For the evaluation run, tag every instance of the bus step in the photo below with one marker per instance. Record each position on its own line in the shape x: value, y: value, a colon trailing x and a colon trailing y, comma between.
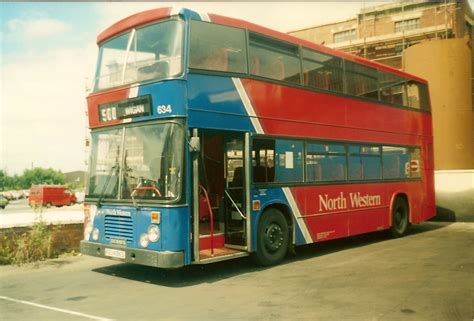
x: 205, y: 241
x: 220, y: 254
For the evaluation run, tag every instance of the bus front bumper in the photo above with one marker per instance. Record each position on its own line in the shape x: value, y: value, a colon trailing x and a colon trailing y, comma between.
x: 164, y: 259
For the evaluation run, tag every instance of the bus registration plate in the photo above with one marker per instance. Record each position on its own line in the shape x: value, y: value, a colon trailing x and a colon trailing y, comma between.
x: 115, y: 253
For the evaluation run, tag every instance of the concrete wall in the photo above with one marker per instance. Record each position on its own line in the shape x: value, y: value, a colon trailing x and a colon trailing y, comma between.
x: 447, y: 65
x: 455, y: 195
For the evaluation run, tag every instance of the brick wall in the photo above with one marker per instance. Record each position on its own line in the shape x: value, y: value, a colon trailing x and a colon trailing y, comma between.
x: 66, y: 238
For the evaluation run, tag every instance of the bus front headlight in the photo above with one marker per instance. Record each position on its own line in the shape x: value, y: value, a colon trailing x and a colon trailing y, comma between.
x: 144, y: 240
x: 95, y: 234
x: 153, y: 233
x: 87, y: 230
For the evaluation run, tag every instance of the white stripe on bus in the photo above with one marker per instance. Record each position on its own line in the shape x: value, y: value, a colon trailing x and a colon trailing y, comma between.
x: 248, y: 105
x: 297, y: 215
x: 204, y: 16
x: 133, y: 91
x: 175, y: 10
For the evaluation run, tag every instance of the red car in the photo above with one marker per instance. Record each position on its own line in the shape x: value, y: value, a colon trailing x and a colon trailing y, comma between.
x: 50, y: 195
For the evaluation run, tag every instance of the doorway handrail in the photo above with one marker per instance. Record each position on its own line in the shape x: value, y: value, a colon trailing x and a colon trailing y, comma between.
x: 211, y: 217
x: 235, y: 205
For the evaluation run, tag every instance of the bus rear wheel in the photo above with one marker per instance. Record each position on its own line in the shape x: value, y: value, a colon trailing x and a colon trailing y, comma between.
x: 272, y: 238
x: 399, y: 218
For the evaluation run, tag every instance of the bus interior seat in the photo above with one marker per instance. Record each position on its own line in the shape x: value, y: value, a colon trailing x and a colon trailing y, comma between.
x: 237, y: 180
x: 313, y: 172
x: 255, y: 66
x: 332, y: 169
x: 218, y: 59
x: 391, y: 166
x: 259, y: 174
x: 262, y: 174
x: 371, y: 167
x: 278, y: 70
x: 154, y: 70
x: 213, y: 59
x: 323, y: 80
x: 309, y: 78
x: 356, y: 171
x: 306, y: 78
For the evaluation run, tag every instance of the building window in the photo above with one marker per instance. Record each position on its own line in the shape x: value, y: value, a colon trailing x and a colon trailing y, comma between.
x: 409, y: 24
x: 345, y: 35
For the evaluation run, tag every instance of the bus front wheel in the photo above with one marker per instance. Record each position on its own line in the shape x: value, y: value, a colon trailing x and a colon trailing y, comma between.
x: 272, y: 238
x: 399, y: 218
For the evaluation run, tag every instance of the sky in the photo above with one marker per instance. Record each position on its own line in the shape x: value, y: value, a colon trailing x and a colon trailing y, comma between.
x: 48, y: 57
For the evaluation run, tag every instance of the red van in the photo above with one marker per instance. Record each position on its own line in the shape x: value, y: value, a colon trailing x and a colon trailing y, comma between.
x: 50, y: 195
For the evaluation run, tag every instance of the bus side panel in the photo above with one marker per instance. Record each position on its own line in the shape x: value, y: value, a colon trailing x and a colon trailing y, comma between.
x: 170, y: 94
x: 321, y: 115
x: 328, y: 212
x: 214, y: 103
x: 275, y: 196
x: 342, y: 210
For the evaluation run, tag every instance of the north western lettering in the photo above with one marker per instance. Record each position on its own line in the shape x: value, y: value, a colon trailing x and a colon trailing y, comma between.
x: 358, y: 200
x: 327, y: 203
x: 337, y: 203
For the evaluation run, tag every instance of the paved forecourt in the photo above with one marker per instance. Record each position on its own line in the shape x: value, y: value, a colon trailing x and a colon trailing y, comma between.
x: 427, y: 275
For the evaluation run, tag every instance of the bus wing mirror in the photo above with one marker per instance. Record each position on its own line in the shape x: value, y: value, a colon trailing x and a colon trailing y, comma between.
x: 195, y: 144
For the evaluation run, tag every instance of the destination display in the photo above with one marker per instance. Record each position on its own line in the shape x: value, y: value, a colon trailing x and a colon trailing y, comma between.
x: 134, y: 107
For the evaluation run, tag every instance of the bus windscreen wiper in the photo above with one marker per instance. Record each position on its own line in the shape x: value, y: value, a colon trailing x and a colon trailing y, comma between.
x: 128, y: 170
x: 115, y: 168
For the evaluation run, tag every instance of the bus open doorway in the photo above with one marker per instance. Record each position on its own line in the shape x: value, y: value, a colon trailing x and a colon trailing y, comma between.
x: 222, y: 218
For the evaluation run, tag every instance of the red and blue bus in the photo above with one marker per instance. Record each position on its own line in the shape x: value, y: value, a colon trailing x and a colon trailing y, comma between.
x: 214, y: 138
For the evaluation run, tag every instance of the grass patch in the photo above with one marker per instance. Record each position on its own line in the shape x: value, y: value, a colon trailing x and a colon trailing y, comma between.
x: 34, y: 244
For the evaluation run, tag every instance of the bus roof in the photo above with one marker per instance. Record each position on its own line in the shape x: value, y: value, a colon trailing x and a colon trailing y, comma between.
x: 149, y: 16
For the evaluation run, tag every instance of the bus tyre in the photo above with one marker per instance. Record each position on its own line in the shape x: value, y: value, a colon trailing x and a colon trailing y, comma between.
x: 399, y: 218
x: 272, y: 238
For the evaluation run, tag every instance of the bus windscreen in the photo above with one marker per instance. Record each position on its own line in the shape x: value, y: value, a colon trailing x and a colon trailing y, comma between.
x: 151, y: 52
x: 137, y: 163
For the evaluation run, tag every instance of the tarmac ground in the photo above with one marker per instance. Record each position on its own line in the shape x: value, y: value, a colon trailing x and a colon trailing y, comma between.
x: 427, y: 275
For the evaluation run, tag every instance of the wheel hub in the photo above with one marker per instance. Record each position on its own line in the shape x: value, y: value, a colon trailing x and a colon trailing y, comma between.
x: 273, y: 237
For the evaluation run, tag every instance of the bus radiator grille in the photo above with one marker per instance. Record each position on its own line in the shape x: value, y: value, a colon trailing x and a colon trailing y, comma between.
x: 118, y: 227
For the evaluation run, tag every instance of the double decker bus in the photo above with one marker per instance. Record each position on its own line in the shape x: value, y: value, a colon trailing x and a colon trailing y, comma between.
x: 213, y: 138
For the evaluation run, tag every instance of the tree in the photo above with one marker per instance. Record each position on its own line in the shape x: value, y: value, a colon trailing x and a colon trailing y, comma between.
x: 40, y: 175
x: 3, y: 178
x: 7, y: 182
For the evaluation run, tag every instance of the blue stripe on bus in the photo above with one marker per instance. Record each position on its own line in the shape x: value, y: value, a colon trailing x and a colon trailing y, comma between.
x: 268, y: 197
x: 164, y: 94
x: 214, y: 103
